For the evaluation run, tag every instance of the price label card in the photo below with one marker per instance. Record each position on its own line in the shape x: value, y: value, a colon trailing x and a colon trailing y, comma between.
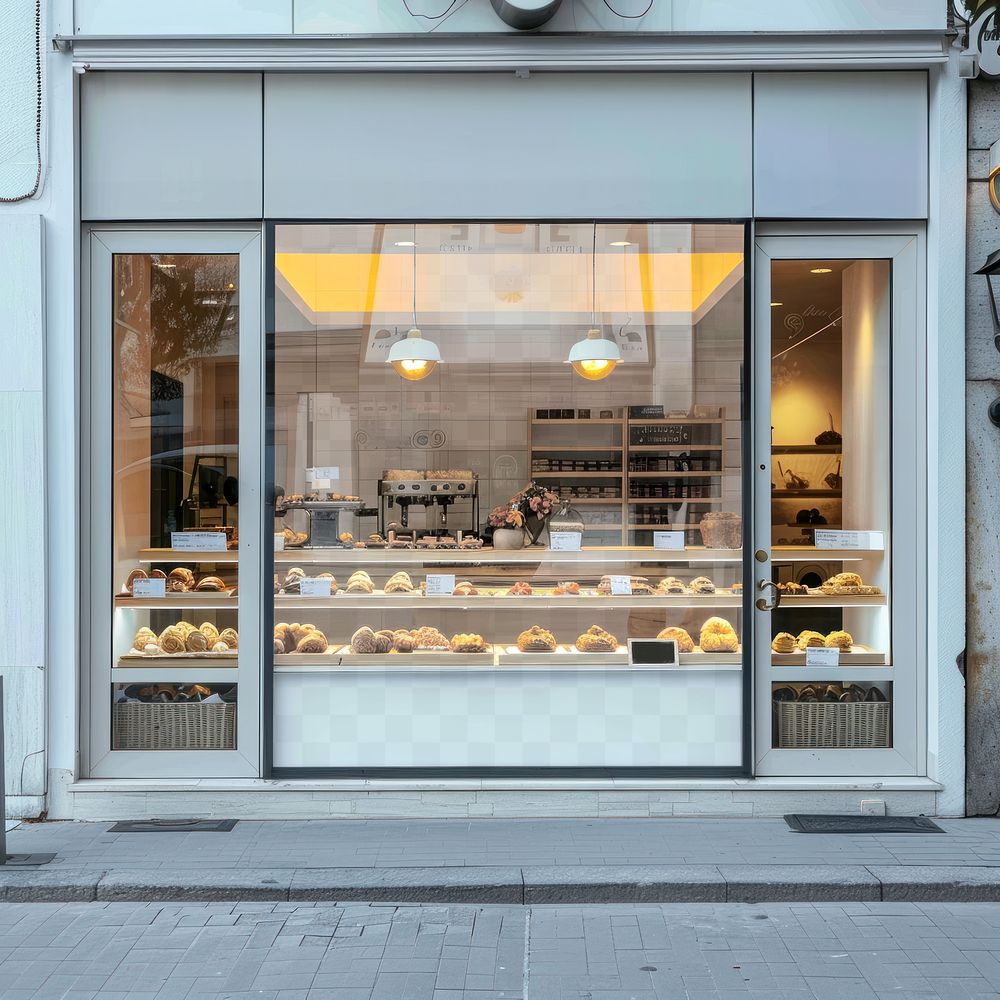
x: 198, y: 541
x: 822, y: 656
x: 565, y: 541
x: 829, y: 539
x: 440, y: 584
x: 279, y: 542
x: 149, y: 588
x: 323, y: 474
x: 621, y: 585
x: 315, y: 586
x: 673, y: 540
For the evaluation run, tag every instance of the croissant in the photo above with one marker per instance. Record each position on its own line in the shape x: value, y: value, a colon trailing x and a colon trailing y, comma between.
x: 464, y: 589
x: 209, y: 631
x: 143, y: 638
x: 184, y: 628
x: 230, y: 637
x: 198, y: 691
x: 171, y: 640
x: 180, y: 579
x: 195, y: 641
x: 284, y: 634
x: 136, y: 574
x: 314, y: 642
x: 210, y: 583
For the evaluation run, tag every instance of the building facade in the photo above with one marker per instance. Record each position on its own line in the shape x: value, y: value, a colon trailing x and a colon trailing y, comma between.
x: 570, y: 406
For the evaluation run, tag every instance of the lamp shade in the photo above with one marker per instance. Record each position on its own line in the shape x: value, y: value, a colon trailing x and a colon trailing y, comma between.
x: 594, y: 358
x: 414, y: 358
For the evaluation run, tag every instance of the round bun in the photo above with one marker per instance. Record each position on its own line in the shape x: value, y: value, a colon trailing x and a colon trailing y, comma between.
x: 685, y: 644
x: 230, y: 637
x: 718, y: 636
x: 314, y: 642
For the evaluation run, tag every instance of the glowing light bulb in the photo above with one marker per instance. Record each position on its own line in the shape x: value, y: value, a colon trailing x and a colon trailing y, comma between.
x: 593, y: 370
x: 412, y: 369
x: 414, y: 358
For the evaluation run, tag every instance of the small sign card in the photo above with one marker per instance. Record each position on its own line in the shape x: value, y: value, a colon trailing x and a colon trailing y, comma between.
x: 673, y: 540
x: 822, y: 656
x: 829, y: 539
x: 279, y: 542
x: 440, y: 584
x: 565, y: 541
x: 323, y: 474
x: 149, y: 588
x: 621, y: 585
x: 198, y: 541
x: 311, y: 586
x: 652, y: 652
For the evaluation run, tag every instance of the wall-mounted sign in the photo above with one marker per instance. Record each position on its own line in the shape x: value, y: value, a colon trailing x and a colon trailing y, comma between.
x: 982, y: 18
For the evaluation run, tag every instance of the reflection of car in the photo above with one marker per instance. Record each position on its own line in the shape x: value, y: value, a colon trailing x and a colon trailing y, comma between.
x: 182, y: 483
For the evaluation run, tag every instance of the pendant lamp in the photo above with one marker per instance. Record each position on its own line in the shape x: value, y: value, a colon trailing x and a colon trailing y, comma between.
x: 594, y: 358
x: 413, y: 357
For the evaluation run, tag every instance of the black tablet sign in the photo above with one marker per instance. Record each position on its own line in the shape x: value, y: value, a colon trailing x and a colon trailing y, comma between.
x: 653, y: 652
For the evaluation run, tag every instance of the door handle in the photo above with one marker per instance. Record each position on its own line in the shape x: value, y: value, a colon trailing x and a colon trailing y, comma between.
x: 762, y: 603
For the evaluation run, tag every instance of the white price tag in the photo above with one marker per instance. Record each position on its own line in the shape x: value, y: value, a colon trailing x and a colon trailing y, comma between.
x: 279, y: 542
x: 673, y: 540
x: 440, y: 584
x: 311, y: 586
x: 323, y: 473
x: 830, y: 539
x: 565, y: 541
x: 198, y: 541
x: 149, y: 588
x: 822, y: 656
x: 621, y: 585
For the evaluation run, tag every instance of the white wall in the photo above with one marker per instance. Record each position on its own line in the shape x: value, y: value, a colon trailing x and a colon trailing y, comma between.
x: 261, y: 17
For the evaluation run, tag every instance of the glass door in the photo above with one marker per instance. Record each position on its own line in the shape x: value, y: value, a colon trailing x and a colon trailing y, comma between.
x: 839, y: 605
x: 175, y: 362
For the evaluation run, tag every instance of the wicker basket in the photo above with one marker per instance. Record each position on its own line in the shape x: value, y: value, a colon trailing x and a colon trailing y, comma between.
x: 833, y: 724
x: 171, y: 726
x: 721, y: 530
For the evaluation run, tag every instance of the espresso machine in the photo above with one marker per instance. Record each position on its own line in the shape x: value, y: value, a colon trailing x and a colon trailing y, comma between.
x: 398, y: 489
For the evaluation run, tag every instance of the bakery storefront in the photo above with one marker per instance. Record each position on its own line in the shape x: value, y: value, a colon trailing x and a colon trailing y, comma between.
x: 511, y: 451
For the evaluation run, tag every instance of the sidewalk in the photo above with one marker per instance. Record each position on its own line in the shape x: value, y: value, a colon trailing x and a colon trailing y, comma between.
x: 507, y: 861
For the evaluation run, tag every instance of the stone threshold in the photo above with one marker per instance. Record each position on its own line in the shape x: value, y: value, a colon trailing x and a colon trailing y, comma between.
x: 513, y: 885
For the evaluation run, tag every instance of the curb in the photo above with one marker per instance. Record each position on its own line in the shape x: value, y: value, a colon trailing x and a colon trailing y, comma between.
x: 510, y: 885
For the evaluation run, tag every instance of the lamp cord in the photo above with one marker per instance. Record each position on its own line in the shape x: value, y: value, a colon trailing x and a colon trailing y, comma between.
x: 593, y: 280
x: 630, y: 17
x: 437, y: 17
x: 414, y: 275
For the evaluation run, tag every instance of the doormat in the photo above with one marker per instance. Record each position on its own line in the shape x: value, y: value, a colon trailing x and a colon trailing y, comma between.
x: 804, y: 823
x: 174, y: 826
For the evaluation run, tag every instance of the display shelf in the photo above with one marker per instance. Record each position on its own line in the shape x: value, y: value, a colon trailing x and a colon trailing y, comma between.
x: 858, y: 674
x: 676, y: 501
x: 214, y: 599
x: 583, y: 422
x: 675, y: 475
x: 831, y: 601
x: 179, y: 659
x: 809, y: 553
x: 671, y: 421
x: 592, y: 501
x: 687, y: 526
x: 674, y: 447
x: 609, y: 555
x: 807, y: 449
x: 481, y: 602
x: 806, y: 495
x: 230, y: 557
x: 859, y: 656
x: 575, y: 447
x: 193, y: 674
x: 569, y: 474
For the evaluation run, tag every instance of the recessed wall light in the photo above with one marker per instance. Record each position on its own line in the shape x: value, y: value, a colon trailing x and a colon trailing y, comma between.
x: 404, y: 243
x: 774, y: 305
x: 820, y: 270
x: 620, y: 243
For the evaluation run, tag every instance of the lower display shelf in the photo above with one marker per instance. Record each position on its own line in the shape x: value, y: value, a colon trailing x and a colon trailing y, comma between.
x: 859, y: 656
x: 193, y: 673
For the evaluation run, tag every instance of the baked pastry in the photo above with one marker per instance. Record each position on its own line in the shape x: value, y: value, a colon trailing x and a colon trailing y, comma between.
x: 283, y: 633
x: 402, y: 641
x: 314, y: 642
x: 567, y: 587
x: 143, y: 638
x: 210, y: 583
x: 671, y: 585
x: 279, y: 646
x: 642, y: 587
x: 180, y: 580
x: 428, y: 637
x: 469, y: 542
x: 136, y: 574
x: 596, y: 640
x: 840, y: 639
x: 520, y: 589
x: 230, y: 637
x: 685, y: 644
x: 346, y: 537
x: 845, y: 580
x: 365, y: 640
x: 171, y: 640
x: 702, y: 585
x: 464, y: 589
x: 209, y: 631
x: 784, y: 642
x: 195, y: 641
x: 468, y: 643
x: 536, y: 640
x: 718, y: 636
x: 399, y: 583
x: 807, y: 637
x: 327, y: 576
x: 849, y: 583
x: 792, y: 588
x: 360, y: 583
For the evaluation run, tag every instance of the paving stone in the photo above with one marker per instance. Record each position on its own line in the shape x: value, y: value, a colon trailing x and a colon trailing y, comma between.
x: 795, y: 883
x: 624, y: 884
x: 409, y: 885
x: 207, y: 884
x: 951, y: 883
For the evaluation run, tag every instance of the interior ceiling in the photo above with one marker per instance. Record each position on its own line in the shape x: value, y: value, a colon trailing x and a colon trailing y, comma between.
x: 800, y: 291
